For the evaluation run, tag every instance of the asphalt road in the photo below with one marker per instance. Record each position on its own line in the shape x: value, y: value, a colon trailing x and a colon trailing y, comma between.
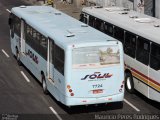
x: 22, y: 99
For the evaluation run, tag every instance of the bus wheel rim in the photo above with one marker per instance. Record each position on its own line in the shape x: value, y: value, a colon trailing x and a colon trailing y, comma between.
x: 129, y: 83
x: 17, y: 56
x: 44, y: 85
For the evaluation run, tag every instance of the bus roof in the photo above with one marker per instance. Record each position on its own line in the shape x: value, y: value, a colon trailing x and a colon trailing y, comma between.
x: 57, y: 25
x: 144, y: 25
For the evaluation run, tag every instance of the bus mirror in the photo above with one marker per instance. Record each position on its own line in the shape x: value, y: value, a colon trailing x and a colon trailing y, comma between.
x: 9, y: 21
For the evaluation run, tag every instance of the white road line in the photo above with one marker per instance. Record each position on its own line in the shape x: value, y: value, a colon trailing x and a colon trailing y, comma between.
x: 25, y: 76
x: 134, y: 107
x: 8, y: 10
x: 56, y: 114
x: 5, y: 53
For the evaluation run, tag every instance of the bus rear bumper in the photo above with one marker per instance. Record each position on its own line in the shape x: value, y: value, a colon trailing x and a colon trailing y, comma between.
x: 72, y: 101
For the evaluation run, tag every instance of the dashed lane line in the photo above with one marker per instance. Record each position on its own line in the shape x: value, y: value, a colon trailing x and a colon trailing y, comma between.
x: 5, y: 53
x: 26, y: 78
x: 8, y: 10
x: 130, y: 104
x: 55, y: 113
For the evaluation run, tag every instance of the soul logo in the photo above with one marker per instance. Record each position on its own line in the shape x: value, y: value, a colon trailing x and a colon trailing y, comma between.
x: 32, y: 56
x: 97, y: 75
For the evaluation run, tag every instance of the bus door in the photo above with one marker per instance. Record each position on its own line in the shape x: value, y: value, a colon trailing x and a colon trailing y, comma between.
x: 22, y: 39
x: 50, y: 61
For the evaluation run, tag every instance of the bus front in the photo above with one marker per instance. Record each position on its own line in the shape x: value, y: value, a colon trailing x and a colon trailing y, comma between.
x: 96, y: 73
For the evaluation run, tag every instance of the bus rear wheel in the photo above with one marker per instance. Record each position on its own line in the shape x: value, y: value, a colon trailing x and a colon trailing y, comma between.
x: 18, y: 57
x: 44, y: 85
x: 129, y: 84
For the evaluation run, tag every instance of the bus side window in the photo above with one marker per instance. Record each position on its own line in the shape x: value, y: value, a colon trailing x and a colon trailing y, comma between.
x: 28, y: 35
x: 33, y: 40
x: 43, y: 47
x: 155, y: 56
x: 99, y: 25
x: 10, y: 21
x: 102, y: 26
x: 11, y: 24
x: 83, y: 18
x: 59, y: 59
x: 108, y: 29
x: 119, y: 34
x: 17, y: 25
x: 91, y: 21
x: 37, y: 41
x: 130, y: 44
x: 143, y: 49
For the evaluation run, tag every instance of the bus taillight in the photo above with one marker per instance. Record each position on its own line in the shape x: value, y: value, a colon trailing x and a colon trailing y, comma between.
x: 70, y: 90
x: 123, y: 82
x: 121, y: 87
x: 120, y: 90
x: 72, y: 94
x: 68, y: 86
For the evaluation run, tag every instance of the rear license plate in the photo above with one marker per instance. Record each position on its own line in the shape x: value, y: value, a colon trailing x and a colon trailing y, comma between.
x: 97, y: 91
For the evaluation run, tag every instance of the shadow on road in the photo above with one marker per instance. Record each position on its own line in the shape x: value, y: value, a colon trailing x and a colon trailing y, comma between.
x: 92, y: 108
x: 148, y: 101
x: 89, y: 108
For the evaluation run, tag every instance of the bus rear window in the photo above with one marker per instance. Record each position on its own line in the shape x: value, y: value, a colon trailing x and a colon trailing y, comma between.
x: 95, y: 57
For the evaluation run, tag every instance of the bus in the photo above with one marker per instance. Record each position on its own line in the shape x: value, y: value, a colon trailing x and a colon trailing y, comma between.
x: 75, y: 63
x: 140, y: 35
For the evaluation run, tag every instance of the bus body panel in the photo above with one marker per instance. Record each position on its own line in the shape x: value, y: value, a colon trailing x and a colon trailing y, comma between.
x: 14, y: 43
x: 35, y: 62
x: 53, y: 89
x: 65, y: 82
x: 154, y: 82
x: 94, y: 85
x: 154, y: 94
x: 72, y: 101
x: 89, y: 83
x: 137, y: 69
x: 145, y: 73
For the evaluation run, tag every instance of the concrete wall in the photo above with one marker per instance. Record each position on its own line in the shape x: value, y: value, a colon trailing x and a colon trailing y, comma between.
x: 78, y: 3
x: 124, y: 3
x: 158, y: 9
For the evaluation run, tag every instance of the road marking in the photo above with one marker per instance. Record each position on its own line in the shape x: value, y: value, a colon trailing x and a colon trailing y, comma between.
x: 5, y: 53
x: 134, y: 107
x: 56, y: 114
x: 25, y: 76
x: 8, y: 10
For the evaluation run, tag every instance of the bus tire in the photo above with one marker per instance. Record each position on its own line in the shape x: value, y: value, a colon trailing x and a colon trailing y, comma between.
x: 129, y: 84
x: 44, y: 85
x: 18, y: 57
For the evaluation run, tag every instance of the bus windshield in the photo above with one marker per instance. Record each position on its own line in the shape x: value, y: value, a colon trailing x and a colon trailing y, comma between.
x: 95, y: 57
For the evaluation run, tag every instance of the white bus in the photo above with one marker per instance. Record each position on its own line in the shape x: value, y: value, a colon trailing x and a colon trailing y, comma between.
x: 140, y: 35
x: 77, y: 64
